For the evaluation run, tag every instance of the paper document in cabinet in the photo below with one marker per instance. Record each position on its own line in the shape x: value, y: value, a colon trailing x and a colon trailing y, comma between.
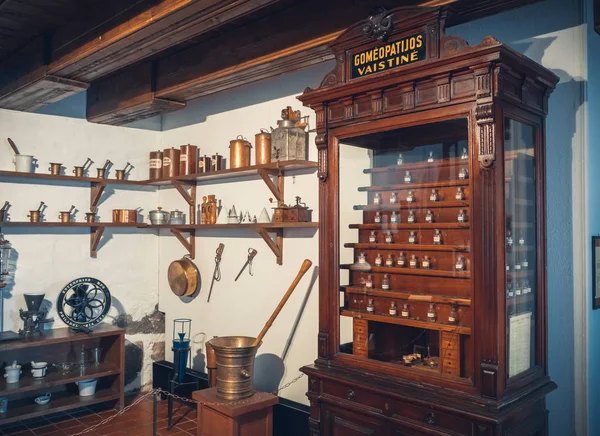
x: 519, y: 344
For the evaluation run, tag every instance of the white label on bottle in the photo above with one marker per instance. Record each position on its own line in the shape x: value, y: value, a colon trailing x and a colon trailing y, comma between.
x: 425, y: 264
x: 393, y: 199
x: 459, y: 266
x: 430, y: 315
x: 389, y: 262
x: 401, y: 263
x: 428, y: 218
x: 394, y: 219
x: 409, y: 199
x: 155, y: 163
x: 407, y: 179
x: 451, y: 319
x: 517, y: 267
x: 413, y: 263
x: 393, y: 312
x: 370, y: 309
x: 437, y: 239
x: 411, y: 239
x: 525, y: 264
x: 369, y: 284
x: 376, y: 200
x: 527, y: 290
x: 459, y: 196
x: 433, y: 197
x: 378, y: 261
x: 411, y: 218
x: 461, y: 219
x: 362, y: 260
x: 405, y: 314
x: 372, y: 238
x: 518, y: 292
x: 377, y: 219
x: 385, y: 286
x: 166, y: 161
x: 511, y: 294
x: 388, y: 239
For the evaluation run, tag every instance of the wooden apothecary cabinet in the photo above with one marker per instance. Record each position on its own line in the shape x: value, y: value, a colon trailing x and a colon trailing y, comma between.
x: 432, y: 234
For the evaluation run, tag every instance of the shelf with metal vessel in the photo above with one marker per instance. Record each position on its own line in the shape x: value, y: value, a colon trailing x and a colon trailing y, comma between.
x: 389, y: 319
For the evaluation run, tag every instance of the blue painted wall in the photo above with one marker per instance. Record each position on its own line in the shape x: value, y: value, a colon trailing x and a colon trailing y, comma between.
x: 558, y: 22
x: 593, y: 216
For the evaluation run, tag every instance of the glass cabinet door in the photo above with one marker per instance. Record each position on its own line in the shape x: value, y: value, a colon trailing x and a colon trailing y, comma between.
x: 405, y: 238
x: 521, y: 244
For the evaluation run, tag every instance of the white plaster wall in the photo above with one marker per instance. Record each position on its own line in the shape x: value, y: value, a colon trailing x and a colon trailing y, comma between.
x: 49, y: 258
x: 243, y: 307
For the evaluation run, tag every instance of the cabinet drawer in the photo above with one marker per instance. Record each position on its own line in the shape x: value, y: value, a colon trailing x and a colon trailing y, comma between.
x: 451, y: 354
x: 432, y: 419
x: 352, y: 395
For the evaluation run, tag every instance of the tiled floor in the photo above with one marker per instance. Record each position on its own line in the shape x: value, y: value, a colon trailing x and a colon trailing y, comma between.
x: 135, y: 422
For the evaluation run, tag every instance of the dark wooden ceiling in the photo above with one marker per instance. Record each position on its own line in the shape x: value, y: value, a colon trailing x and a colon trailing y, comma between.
x: 143, y: 57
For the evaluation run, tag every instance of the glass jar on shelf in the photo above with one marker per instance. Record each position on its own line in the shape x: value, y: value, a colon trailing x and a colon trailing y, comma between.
x: 400, y: 159
x: 373, y: 237
x: 429, y: 217
x: 462, y: 217
x: 453, y: 316
x: 377, y: 199
x: 509, y: 239
x: 431, y: 313
x: 465, y: 154
x: 393, y: 198
x: 385, y: 282
x: 388, y: 237
x: 521, y: 240
x: 401, y: 260
x: 460, y: 264
x: 463, y: 174
x: 430, y: 158
x: 393, y: 311
x: 411, y: 217
x: 378, y: 260
x: 369, y: 281
x: 460, y: 195
x: 389, y: 261
x: 405, y: 311
x: 412, y: 237
x: 407, y: 177
x: 362, y: 259
x: 437, y: 237
x: 426, y: 263
x: 414, y: 261
x: 377, y: 218
x: 410, y: 197
x: 370, y: 306
x: 394, y: 218
x: 434, y: 195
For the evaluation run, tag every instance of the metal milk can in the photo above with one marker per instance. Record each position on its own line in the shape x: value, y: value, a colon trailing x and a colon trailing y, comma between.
x: 289, y: 140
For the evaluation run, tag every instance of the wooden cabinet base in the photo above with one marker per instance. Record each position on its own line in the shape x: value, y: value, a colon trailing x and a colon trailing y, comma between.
x: 250, y: 417
x: 347, y: 403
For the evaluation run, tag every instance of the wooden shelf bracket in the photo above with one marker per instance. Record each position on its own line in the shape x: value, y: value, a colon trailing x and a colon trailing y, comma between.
x: 190, y: 198
x: 189, y: 244
x: 95, y: 236
x: 277, y: 190
x: 276, y: 245
x: 96, y: 192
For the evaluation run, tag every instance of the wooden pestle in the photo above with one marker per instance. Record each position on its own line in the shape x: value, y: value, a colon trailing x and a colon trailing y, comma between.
x: 13, y: 146
x: 305, y: 267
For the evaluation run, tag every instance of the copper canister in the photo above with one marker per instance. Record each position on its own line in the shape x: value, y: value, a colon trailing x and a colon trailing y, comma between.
x: 188, y: 161
x: 239, y: 152
x: 171, y: 162
x: 217, y: 162
x: 125, y: 216
x: 204, y: 164
x: 156, y: 165
x: 262, y: 142
x: 211, y: 210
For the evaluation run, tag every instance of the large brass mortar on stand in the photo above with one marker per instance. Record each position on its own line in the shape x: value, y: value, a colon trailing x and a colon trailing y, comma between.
x: 235, y: 354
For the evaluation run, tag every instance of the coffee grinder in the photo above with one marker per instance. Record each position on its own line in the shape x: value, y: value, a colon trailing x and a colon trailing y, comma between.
x: 34, y: 317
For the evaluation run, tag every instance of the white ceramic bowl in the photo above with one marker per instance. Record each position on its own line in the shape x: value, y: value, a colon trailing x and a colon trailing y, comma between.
x: 87, y: 387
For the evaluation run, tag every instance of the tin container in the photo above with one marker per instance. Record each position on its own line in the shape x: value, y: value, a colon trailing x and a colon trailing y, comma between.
x: 156, y: 165
x: 125, y: 216
x: 171, y: 162
x: 188, y: 160
x: 262, y: 142
x: 158, y: 216
x: 217, y: 163
x: 55, y: 168
x: 235, y: 357
x: 239, y: 152
x: 176, y: 217
x: 204, y: 164
x: 290, y: 139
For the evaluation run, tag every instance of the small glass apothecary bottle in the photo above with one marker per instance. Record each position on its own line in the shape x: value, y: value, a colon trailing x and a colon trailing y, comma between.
x: 526, y: 287
x: 412, y: 238
x: 362, y: 259
x: 377, y: 218
x: 373, y: 237
x: 405, y: 311
x: 393, y: 198
x: 518, y: 289
x: 400, y: 159
x: 385, y: 282
x: 389, y: 261
x: 407, y: 177
x: 388, y: 237
x: 437, y: 237
x: 524, y: 263
x: 460, y: 195
x: 414, y: 261
x: 369, y: 281
x: 370, y: 306
x: 434, y: 195
x: 377, y: 199
x: 394, y: 218
x: 463, y: 174
x: 465, y: 154
x: 509, y: 239
x: 431, y: 313
x: 393, y: 309
x: 411, y: 217
x: 430, y: 158
x: 521, y: 240
x: 426, y: 263
x: 460, y: 264
x: 510, y: 291
x: 453, y: 316
x: 410, y: 197
x: 429, y: 217
x: 401, y: 260
x: 462, y: 216
x: 378, y: 260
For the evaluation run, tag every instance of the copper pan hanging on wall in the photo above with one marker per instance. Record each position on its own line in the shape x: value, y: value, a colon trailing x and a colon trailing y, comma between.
x: 184, y: 277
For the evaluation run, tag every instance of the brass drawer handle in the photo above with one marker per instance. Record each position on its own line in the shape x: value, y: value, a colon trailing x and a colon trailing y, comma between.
x: 351, y: 395
x: 430, y: 418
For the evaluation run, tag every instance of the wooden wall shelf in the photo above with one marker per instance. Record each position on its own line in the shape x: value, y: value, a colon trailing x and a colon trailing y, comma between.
x: 54, y: 347
x: 415, y: 205
x: 410, y: 271
x: 272, y: 174
x: 429, y: 298
x: 409, y: 226
x: 398, y: 186
x: 408, y: 247
x: 417, y: 165
x: 440, y: 326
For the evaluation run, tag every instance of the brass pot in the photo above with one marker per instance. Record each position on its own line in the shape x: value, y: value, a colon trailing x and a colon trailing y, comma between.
x: 125, y: 216
x: 78, y: 171
x: 101, y: 173
x: 55, y: 168
x: 120, y: 174
x: 262, y: 142
x: 90, y: 217
x: 235, y: 366
x: 65, y: 217
x: 184, y: 277
x: 239, y: 152
x: 34, y: 216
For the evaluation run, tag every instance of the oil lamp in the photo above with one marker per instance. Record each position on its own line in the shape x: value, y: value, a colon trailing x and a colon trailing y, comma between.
x: 181, y: 347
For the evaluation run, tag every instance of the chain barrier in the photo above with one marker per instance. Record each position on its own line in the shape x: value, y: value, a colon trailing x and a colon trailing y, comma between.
x: 160, y: 391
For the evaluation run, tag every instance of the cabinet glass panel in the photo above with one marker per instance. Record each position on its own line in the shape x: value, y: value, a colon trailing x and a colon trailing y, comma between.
x: 405, y: 261
x: 521, y: 226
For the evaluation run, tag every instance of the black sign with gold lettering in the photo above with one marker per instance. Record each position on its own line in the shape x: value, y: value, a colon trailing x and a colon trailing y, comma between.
x: 388, y: 56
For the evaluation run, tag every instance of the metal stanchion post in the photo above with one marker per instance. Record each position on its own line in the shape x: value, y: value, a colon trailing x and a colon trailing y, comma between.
x: 154, y: 418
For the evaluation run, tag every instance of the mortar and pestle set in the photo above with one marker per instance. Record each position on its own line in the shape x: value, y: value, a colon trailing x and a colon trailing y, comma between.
x: 3, y: 211
x: 235, y: 354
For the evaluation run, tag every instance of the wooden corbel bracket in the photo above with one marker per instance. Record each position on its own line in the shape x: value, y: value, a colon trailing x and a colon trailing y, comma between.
x: 97, y: 189
x: 190, y: 198
x: 277, y: 190
x: 95, y: 236
x: 276, y: 245
x: 189, y: 244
